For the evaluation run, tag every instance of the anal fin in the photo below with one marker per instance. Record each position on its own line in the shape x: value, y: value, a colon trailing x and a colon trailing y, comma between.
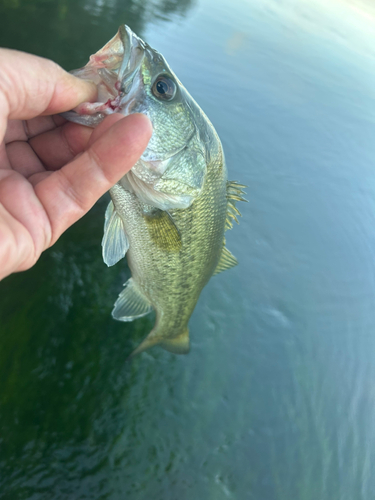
x: 226, y: 261
x: 131, y: 303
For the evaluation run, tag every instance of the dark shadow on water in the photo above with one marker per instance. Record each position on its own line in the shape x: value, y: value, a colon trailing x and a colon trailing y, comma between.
x: 62, y: 364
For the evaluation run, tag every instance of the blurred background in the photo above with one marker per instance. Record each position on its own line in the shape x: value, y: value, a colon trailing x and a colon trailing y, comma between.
x: 276, y: 400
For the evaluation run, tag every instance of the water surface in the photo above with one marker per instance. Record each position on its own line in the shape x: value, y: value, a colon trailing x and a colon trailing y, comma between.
x: 276, y: 400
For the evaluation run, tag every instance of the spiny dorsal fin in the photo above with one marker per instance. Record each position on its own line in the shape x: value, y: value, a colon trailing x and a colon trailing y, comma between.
x: 131, y: 303
x: 226, y: 261
x: 234, y: 194
x: 114, y: 243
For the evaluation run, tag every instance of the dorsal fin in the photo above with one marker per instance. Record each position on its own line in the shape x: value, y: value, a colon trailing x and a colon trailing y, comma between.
x: 234, y: 194
x: 226, y: 261
x: 115, y: 243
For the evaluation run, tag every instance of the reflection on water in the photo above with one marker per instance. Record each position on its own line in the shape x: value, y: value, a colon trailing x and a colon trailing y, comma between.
x: 276, y: 399
x: 68, y: 31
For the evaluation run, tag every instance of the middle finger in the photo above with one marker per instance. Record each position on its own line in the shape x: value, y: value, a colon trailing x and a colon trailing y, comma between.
x: 57, y: 147
x: 22, y: 130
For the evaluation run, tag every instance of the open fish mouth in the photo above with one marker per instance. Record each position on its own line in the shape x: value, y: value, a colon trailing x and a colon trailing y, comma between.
x: 115, y: 71
x: 134, y: 49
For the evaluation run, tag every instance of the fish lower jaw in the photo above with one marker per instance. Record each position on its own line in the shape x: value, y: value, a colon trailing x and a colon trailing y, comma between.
x: 92, y: 108
x: 115, y: 105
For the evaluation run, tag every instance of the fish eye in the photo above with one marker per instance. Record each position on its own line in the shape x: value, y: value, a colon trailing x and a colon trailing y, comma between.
x: 164, y: 88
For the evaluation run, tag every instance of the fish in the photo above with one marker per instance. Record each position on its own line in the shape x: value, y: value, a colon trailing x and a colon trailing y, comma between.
x: 169, y: 213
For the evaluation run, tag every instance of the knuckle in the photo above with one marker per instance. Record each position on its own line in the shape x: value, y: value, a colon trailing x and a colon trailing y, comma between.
x: 97, y: 162
x: 78, y: 200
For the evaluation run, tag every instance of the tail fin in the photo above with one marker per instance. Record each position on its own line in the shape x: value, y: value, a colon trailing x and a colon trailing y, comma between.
x: 179, y: 344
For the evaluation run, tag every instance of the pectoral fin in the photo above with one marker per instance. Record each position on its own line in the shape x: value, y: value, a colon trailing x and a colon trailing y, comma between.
x: 115, y: 243
x: 226, y: 261
x: 163, y: 231
x: 131, y: 303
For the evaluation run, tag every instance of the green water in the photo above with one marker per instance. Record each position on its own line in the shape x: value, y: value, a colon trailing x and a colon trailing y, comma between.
x: 276, y: 400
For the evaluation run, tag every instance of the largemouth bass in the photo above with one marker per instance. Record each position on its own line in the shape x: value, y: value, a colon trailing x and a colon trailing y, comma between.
x: 170, y: 212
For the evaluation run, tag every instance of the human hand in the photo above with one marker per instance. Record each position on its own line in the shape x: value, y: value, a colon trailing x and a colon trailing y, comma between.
x: 51, y: 171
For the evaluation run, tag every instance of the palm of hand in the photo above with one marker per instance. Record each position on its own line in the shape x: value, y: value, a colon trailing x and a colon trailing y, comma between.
x: 52, y: 172
x: 36, y: 197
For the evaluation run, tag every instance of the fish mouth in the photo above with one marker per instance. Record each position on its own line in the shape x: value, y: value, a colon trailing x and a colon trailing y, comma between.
x: 115, y: 71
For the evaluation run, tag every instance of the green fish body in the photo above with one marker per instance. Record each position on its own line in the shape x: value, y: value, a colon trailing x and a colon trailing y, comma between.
x: 170, y: 212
